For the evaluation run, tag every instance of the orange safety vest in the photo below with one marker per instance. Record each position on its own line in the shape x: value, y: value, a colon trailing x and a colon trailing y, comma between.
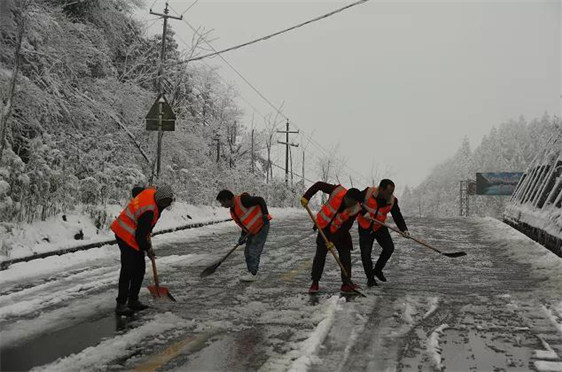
x: 329, y: 212
x: 125, y: 226
x: 375, y: 212
x: 249, y: 219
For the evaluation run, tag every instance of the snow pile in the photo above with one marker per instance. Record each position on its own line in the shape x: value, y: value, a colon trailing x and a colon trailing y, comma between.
x: 55, y: 264
x: 536, y: 200
x: 525, y: 250
x: 310, y: 346
x: 72, y: 230
x: 543, y: 365
x: 548, y: 219
x: 433, y: 347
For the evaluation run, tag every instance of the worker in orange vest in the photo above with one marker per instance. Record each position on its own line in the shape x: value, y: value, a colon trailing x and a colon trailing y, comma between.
x: 378, y: 202
x: 335, y: 218
x: 133, y: 229
x: 251, y: 214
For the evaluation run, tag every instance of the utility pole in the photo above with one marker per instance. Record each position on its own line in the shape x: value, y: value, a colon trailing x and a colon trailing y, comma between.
x: 303, y: 168
x: 218, y: 140
x: 464, y: 198
x: 291, y: 161
x: 160, y: 72
x: 287, y: 144
x: 252, y: 151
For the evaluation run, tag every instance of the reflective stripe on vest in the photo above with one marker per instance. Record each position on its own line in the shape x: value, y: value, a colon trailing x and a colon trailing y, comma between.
x: 371, y: 206
x: 125, y: 226
x: 249, y: 219
x: 328, y: 212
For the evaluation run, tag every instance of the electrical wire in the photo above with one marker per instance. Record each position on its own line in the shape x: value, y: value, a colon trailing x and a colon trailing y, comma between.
x: 152, y: 6
x: 189, y: 7
x: 257, y: 91
x: 279, y: 32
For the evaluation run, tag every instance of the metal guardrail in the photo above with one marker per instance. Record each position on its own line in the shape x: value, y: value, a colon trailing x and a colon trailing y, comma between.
x: 551, y: 242
x: 5, y: 264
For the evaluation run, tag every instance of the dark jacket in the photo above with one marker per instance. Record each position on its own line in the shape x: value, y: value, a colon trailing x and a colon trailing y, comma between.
x: 144, y: 229
x: 327, y: 188
x: 250, y: 201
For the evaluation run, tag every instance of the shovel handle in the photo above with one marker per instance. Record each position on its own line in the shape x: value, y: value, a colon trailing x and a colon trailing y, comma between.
x: 344, y: 271
x: 155, y: 273
x: 234, y: 248
x: 411, y: 237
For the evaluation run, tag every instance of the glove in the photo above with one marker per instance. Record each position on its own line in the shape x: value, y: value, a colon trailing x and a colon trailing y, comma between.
x: 304, y: 202
x: 330, y: 246
x: 242, y: 239
x: 265, y: 219
x: 150, y: 253
x: 406, y: 234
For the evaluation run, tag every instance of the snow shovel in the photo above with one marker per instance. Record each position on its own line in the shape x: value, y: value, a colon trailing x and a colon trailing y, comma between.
x: 452, y: 254
x: 211, y: 269
x: 156, y: 290
x: 344, y: 271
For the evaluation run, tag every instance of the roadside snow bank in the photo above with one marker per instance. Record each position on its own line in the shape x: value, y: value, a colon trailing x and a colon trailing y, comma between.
x: 66, y: 231
x: 523, y: 249
x: 69, y: 230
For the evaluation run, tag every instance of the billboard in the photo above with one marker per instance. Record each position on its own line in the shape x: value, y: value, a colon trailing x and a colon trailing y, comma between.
x: 503, y: 183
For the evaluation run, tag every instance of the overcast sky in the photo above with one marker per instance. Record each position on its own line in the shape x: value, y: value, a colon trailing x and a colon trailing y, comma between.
x: 398, y: 84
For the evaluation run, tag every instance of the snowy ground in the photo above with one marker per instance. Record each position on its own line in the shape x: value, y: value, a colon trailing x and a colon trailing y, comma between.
x: 500, y: 307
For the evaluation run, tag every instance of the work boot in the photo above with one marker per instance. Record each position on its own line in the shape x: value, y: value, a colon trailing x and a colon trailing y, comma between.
x: 378, y: 273
x: 249, y: 277
x: 122, y: 309
x: 348, y: 288
x: 313, y: 288
x: 136, y: 305
x: 371, y: 282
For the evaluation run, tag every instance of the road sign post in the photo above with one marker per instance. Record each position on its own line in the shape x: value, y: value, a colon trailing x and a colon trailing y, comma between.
x: 160, y: 118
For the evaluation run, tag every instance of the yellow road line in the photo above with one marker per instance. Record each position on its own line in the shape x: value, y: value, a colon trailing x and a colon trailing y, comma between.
x: 290, y: 275
x: 180, y: 347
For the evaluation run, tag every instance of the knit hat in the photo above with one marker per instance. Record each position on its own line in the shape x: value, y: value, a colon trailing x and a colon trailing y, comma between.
x: 163, y: 192
x: 354, y: 194
x: 137, y: 190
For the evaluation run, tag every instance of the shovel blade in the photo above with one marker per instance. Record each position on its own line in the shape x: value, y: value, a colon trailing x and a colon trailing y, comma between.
x: 455, y: 254
x: 210, y: 270
x: 160, y: 292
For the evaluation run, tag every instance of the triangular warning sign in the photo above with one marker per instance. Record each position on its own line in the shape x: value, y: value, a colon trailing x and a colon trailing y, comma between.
x: 161, y: 106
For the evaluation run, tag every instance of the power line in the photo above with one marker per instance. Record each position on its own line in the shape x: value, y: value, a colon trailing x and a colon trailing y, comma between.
x: 241, y: 96
x: 152, y: 6
x: 316, y: 144
x: 191, y: 6
x: 295, y: 174
x: 278, y: 32
x: 257, y: 91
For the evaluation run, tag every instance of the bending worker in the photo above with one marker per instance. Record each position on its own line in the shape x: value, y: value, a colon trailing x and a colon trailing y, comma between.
x: 378, y: 202
x: 335, y: 219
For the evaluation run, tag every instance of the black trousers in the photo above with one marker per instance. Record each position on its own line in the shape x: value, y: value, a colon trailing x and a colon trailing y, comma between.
x: 366, y: 239
x: 131, y: 274
x: 343, y: 244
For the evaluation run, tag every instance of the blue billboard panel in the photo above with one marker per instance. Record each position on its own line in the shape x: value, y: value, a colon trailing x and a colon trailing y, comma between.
x: 497, y: 183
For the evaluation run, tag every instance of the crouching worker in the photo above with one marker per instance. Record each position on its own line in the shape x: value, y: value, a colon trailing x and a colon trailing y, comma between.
x: 250, y: 213
x: 133, y: 229
x: 335, y: 219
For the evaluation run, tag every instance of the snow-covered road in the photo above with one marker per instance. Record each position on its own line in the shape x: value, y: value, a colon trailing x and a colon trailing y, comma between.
x: 500, y: 307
